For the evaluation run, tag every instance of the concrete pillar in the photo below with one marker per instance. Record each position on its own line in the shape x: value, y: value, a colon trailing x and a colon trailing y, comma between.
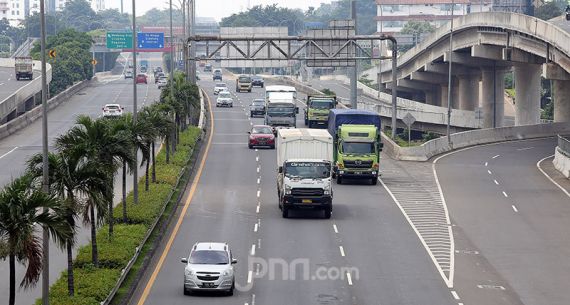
x: 443, y: 95
x: 430, y: 97
x: 527, y: 94
x: 455, y: 95
x: 492, y: 99
x: 468, y: 92
x: 561, y: 94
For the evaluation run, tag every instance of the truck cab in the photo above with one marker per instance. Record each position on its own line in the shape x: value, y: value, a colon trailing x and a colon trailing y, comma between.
x: 304, y: 175
x: 243, y: 83
x: 317, y: 110
x: 280, y: 106
x: 357, y: 144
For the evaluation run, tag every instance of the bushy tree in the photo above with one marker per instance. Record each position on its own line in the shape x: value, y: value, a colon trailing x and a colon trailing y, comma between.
x: 270, y: 15
x: 550, y: 9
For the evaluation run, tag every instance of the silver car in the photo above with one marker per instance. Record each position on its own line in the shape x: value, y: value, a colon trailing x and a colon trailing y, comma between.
x: 209, y: 267
x: 224, y: 99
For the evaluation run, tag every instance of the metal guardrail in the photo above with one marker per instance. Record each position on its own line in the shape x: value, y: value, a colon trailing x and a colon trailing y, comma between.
x: 564, y: 144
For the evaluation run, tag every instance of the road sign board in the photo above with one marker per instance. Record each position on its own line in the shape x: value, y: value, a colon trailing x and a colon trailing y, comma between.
x: 119, y: 40
x: 408, y: 119
x: 150, y: 40
x: 52, y: 53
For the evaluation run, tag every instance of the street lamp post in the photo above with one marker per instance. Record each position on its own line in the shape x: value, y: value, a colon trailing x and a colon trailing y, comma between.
x: 45, y: 168
x: 449, y: 98
x: 135, y: 108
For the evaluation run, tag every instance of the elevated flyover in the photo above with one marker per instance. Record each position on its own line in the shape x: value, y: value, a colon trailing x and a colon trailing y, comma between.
x: 485, y: 46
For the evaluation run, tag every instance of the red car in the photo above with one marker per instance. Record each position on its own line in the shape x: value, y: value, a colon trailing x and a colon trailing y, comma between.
x: 141, y: 79
x: 261, y: 135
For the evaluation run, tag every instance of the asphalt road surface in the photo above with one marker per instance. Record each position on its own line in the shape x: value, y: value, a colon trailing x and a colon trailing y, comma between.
x: 235, y: 201
x: 8, y: 82
x: 16, y: 149
x: 510, y: 222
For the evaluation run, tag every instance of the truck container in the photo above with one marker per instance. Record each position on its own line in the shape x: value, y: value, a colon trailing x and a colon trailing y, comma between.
x: 304, y: 170
x: 317, y: 110
x: 24, y: 68
x: 357, y: 145
x: 280, y: 106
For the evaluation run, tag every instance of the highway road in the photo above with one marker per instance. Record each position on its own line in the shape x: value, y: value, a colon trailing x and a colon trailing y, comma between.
x: 233, y: 199
x: 17, y: 148
x: 8, y: 82
x: 510, y: 222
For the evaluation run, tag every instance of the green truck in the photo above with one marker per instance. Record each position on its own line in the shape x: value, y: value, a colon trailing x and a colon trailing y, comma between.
x: 357, y: 145
x: 317, y: 110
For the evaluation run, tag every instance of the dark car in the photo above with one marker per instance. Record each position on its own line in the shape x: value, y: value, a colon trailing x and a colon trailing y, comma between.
x: 257, y: 107
x: 257, y: 81
x: 261, y: 135
x: 217, y: 75
x: 158, y: 76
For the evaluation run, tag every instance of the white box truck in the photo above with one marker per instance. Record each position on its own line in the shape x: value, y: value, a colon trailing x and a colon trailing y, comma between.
x: 304, y: 162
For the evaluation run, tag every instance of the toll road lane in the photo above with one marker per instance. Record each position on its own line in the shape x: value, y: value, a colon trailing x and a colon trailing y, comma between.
x: 522, y: 251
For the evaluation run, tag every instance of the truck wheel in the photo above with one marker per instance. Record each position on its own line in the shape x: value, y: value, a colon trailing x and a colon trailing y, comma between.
x: 328, y: 212
x: 285, y: 212
x: 338, y: 179
x: 374, y: 181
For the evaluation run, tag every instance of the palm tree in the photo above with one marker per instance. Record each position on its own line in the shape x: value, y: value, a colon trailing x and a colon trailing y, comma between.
x: 160, y: 125
x: 23, y: 209
x: 103, y: 143
x: 72, y: 179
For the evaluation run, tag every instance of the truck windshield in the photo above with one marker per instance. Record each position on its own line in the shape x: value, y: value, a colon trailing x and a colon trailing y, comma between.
x: 244, y: 79
x: 324, y: 104
x: 307, y: 170
x: 357, y: 148
x: 277, y: 111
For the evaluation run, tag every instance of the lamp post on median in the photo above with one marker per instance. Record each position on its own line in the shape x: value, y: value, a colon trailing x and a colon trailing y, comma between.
x: 45, y: 168
x: 135, y: 108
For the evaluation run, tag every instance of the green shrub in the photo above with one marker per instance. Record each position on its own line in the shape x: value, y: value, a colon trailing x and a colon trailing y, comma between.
x: 149, y: 205
x: 167, y: 173
x: 92, y: 285
x: 116, y: 253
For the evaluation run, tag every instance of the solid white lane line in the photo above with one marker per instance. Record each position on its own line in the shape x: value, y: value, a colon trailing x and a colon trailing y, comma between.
x: 335, y: 228
x: 341, y: 251
x: 515, y: 208
x: 253, y: 250
x: 486, y: 163
x: 349, y: 278
x: 488, y: 171
x: 249, y: 276
x: 454, y: 294
x: 496, y: 156
x: 12, y: 150
x: 255, y: 228
x: 497, y: 183
x: 549, y: 178
x: 505, y: 194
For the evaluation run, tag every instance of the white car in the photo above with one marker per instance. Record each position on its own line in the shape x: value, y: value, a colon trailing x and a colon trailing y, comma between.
x: 225, y: 99
x: 209, y: 267
x: 220, y: 87
x: 128, y: 74
x: 161, y: 83
x: 113, y: 110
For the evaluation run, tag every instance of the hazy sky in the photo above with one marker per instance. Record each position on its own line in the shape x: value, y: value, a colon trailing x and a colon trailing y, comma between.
x: 213, y: 8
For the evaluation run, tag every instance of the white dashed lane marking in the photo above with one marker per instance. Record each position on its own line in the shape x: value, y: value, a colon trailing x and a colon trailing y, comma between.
x: 515, y: 208
x: 505, y: 194
x: 335, y: 228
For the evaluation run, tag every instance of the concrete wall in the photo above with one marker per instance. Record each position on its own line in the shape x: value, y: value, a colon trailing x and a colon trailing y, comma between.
x: 36, y: 113
x: 562, y: 162
x: 474, y: 137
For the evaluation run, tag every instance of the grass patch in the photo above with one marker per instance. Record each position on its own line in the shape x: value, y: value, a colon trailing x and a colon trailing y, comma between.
x: 510, y: 92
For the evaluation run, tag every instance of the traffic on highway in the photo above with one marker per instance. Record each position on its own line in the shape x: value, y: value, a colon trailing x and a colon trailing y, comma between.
x: 326, y: 152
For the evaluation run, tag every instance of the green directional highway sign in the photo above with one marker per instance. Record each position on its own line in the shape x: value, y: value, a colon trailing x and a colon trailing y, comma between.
x: 119, y: 40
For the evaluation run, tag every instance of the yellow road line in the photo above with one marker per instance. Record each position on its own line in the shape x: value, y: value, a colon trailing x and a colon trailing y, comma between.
x: 156, y: 270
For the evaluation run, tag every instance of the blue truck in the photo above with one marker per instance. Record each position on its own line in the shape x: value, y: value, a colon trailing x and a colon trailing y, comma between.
x: 357, y: 144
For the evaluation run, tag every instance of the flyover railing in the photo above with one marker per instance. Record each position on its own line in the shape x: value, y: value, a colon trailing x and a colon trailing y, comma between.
x: 564, y: 144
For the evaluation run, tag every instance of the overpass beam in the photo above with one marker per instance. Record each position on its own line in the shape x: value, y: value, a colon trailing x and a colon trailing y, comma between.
x: 492, y: 100
x: 561, y: 94
x: 468, y: 92
x: 527, y: 94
